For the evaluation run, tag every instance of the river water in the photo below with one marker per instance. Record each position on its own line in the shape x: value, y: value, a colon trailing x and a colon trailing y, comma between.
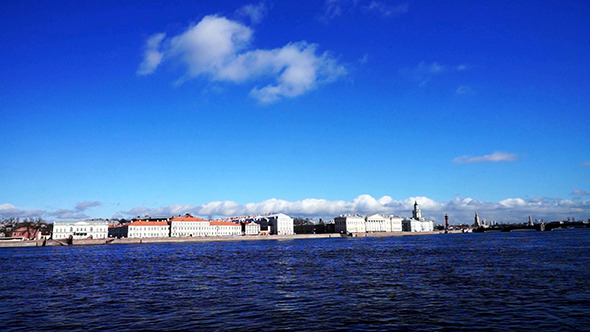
x: 491, y: 281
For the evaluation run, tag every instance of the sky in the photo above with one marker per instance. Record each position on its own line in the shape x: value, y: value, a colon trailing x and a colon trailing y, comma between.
x: 114, y: 109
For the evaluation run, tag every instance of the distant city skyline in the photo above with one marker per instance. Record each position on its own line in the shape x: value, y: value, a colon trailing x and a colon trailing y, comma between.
x: 311, y: 108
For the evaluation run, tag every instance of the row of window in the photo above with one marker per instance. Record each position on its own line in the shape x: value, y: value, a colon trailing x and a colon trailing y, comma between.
x: 151, y: 228
x: 77, y: 229
x: 148, y: 235
x: 83, y: 235
x: 181, y: 228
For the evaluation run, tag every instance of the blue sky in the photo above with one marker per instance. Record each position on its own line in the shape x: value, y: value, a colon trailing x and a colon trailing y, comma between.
x: 311, y: 108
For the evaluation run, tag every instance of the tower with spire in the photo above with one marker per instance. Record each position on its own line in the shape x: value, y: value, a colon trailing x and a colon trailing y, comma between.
x: 416, y: 214
x: 476, y: 218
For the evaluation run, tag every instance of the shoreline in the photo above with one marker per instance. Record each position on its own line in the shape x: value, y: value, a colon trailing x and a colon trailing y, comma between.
x: 113, y: 241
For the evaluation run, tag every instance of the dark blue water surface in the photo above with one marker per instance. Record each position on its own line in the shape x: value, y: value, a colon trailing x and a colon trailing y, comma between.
x: 491, y: 281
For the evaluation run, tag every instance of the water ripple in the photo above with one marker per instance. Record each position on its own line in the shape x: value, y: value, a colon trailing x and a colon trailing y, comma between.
x: 514, y: 281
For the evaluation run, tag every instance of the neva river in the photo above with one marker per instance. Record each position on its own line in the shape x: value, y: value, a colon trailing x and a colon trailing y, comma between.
x: 491, y: 281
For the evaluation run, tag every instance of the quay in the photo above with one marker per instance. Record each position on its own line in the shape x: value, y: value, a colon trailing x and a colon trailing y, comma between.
x: 139, y: 241
x: 542, y: 227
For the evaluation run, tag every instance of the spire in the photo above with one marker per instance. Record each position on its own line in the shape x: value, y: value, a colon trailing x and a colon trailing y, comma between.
x: 476, y: 219
x: 416, y: 214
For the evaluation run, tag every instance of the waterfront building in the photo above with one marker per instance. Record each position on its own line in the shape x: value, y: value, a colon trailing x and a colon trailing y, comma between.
x: 143, y: 229
x: 396, y: 223
x: 87, y: 229
x: 117, y: 231
x: 27, y: 233
x: 377, y: 223
x: 252, y: 228
x: 413, y: 225
x: 272, y: 223
x: 150, y: 218
x: 416, y: 213
x: 417, y: 223
x: 189, y: 226
x: 349, y: 223
x: 224, y: 228
x: 281, y: 224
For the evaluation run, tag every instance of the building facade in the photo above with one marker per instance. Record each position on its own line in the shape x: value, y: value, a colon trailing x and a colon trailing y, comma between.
x: 377, y: 223
x: 224, y: 228
x: 144, y: 229
x: 349, y: 223
x: 26, y: 233
x: 88, y: 229
x: 274, y: 224
x: 281, y: 224
x: 252, y: 228
x: 396, y: 223
x: 417, y: 223
x: 189, y: 226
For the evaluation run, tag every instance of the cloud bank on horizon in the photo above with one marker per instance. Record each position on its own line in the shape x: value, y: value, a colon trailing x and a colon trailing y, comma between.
x: 459, y: 209
x: 8, y: 210
x: 220, y: 50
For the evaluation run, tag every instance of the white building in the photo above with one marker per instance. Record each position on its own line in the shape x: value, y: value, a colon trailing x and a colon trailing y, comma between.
x: 88, y: 229
x: 224, y: 228
x: 413, y: 225
x: 349, y: 223
x: 189, y: 226
x: 252, y: 228
x: 377, y: 223
x: 143, y: 229
x: 395, y: 222
x: 372, y: 223
x: 417, y: 223
x: 275, y: 224
x: 281, y: 224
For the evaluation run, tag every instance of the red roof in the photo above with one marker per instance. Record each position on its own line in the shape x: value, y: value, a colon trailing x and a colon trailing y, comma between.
x: 223, y: 223
x: 187, y: 219
x: 148, y: 223
x: 28, y: 233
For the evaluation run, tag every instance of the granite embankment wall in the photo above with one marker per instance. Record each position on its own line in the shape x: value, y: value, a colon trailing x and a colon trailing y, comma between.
x: 86, y: 242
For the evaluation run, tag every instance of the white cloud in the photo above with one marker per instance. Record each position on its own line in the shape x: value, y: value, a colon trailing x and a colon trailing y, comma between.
x: 67, y: 214
x: 464, y: 90
x: 489, y: 158
x: 387, y: 10
x: 152, y: 56
x: 86, y: 204
x: 72, y: 214
x: 219, y: 49
x: 335, y: 8
x: 364, y: 59
x: 580, y: 193
x: 254, y: 12
x: 512, y: 202
x: 424, y: 72
x: 298, y: 70
x: 8, y: 210
x: 461, y: 210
